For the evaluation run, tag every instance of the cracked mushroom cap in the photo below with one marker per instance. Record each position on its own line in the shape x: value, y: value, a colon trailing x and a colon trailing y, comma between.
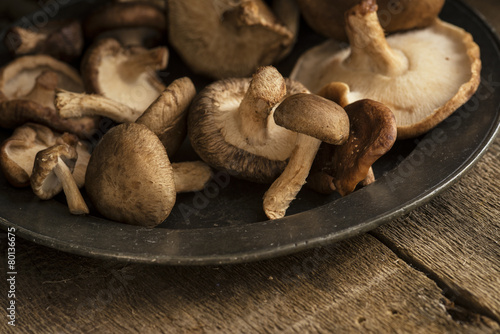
x: 327, y: 17
x: 230, y: 125
x: 129, y: 177
x: 38, y: 106
x: 134, y: 23
x: 125, y: 75
x: 223, y: 39
x: 60, y: 39
x: 372, y: 134
x: 422, y: 75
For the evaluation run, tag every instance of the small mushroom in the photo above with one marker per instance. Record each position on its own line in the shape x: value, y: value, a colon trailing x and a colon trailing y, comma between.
x: 17, y: 153
x: 166, y: 116
x: 134, y: 23
x: 316, y: 119
x: 60, y: 39
x: 422, y: 75
x: 372, y: 134
x: 223, y: 39
x: 125, y: 75
x: 327, y: 17
x: 52, y: 171
x: 231, y: 125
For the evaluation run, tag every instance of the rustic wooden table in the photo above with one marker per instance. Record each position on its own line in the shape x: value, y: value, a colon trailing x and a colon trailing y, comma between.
x: 435, y: 270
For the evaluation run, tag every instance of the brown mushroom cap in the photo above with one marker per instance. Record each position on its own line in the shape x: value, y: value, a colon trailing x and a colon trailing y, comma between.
x: 60, y: 39
x: 223, y: 39
x: 131, y: 23
x: 38, y: 106
x: 17, y: 153
x: 422, y: 76
x: 129, y: 177
x: 216, y: 127
x: 327, y: 17
x: 372, y: 134
x: 124, y: 75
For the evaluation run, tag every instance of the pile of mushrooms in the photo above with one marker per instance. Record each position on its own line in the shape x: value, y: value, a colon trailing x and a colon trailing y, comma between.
x: 340, y: 110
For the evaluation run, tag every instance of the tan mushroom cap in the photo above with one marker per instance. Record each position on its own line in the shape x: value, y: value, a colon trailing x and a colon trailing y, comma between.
x: 326, y: 120
x: 17, y: 153
x: 18, y: 77
x: 38, y: 106
x: 327, y: 16
x: 52, y: 172
x: 125, y: 75
x: 129, y: 177
x: 223, y: 39
x: 230, y: 125
x: 422, y: 76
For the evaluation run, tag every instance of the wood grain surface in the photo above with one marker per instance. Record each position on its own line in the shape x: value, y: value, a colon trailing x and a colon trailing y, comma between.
x: 435, y: 270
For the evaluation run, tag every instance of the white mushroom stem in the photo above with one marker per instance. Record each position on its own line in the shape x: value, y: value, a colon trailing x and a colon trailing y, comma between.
x: 70, y: 105
x: 369, y: 48
x: 143, y: 62
x: 284, y: 189
x: 76, y: 203
x: 44, y: 89
x: 191, y: 176
x: 266, y: 90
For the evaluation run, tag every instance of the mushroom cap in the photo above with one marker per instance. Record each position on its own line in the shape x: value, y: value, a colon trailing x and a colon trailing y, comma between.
x: 223, y: 39
x: 327, y: 17
x: 38, y: 106
x: 129, y: 177
x: 167, y: 115
x: 18, y: 77
x: 444, y: 72
x: 123, y: 15
x: 214, y: 134
x: 44, y: 181
x: 17, y: 153
x: 106, y: 71
x: 329, y: 124
x: 372, y: 134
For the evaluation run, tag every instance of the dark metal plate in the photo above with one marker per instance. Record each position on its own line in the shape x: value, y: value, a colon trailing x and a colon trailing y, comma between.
x: 226, y: 224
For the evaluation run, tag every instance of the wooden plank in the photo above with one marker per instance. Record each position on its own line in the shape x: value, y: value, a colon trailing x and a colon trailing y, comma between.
x: 455, y: 238
x: 356, y: 285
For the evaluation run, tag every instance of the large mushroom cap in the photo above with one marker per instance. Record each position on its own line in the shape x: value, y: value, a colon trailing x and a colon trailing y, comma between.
x: 126, y: 75
x: 18, y: 77
x: 129, y: 176
x: 422, y: 76
x: 223, y: 39
x: 327, y: 16
x: 215, y: 125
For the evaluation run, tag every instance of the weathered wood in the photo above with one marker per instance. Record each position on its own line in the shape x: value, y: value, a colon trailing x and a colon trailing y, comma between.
x: 455, y: 238
x: 356, y: 285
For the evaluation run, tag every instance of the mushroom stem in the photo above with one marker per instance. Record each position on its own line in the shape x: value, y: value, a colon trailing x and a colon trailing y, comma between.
x: 284, y: 189
x: 76, y: 203
x: 191, y: 176
x: 44, y: 89
x: 69, y: 105
x: 141, y: 62
x: 266, y: 90
x: 369, y: 48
